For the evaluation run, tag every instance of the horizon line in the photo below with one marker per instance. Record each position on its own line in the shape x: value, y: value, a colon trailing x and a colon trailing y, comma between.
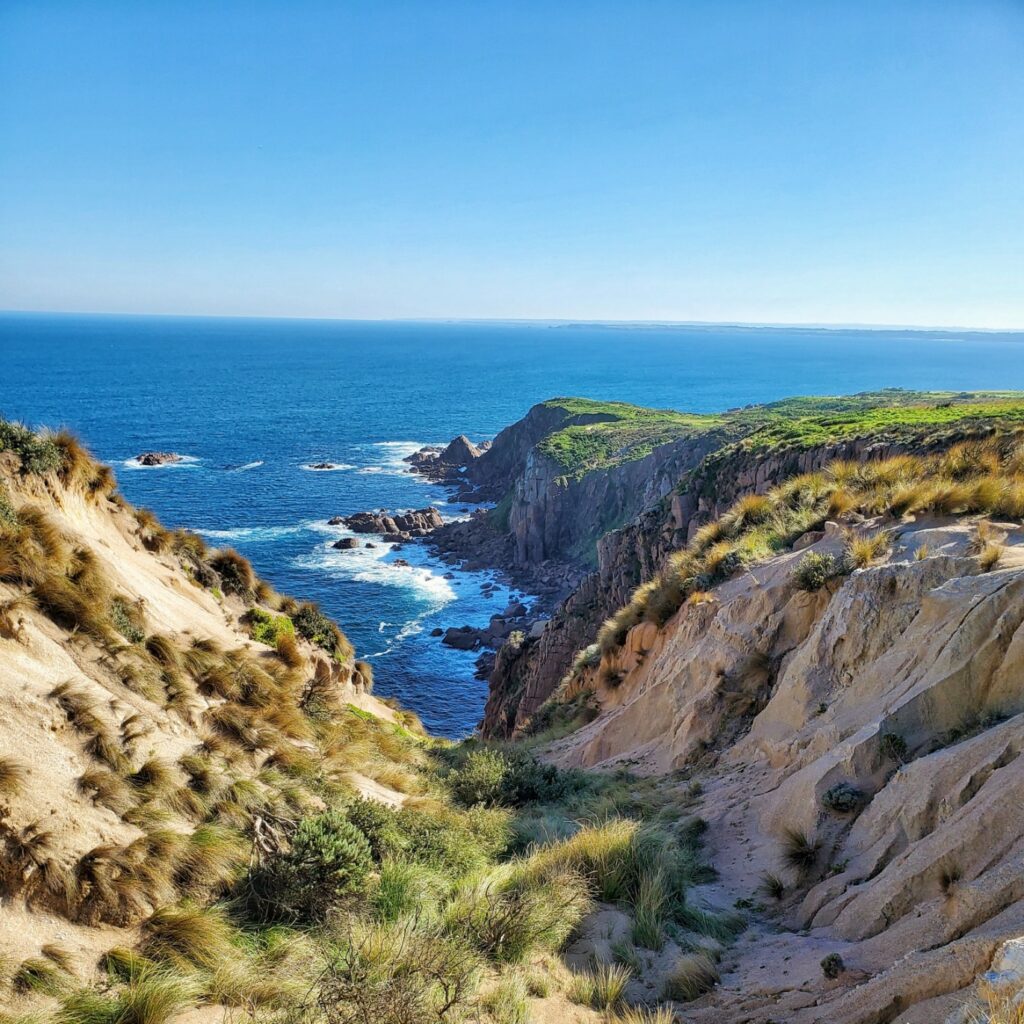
x: 526, y: 321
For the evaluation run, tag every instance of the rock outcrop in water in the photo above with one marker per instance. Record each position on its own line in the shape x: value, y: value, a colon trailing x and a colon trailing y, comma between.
x: 398, y: 525
x: 158, y: 458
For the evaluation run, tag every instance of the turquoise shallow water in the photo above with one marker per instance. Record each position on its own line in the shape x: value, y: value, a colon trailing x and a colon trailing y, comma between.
x: 254, y: 401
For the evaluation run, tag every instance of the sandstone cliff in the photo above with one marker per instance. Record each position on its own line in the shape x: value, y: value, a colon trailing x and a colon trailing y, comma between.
x: 524, y: 677
x: 857, y: 752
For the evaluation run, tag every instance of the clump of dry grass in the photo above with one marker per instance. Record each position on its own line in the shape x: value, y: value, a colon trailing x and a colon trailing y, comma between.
x: 13, y: 775
x: 799, y: 850
x: 235, y: 572
x: 863, y: 549
x: 692, y: 976
x: 601, y: 990
x: 188, y: 937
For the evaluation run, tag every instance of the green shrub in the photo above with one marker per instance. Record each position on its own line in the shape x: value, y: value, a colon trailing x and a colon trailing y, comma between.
x: 843, y: 798
x: 127, y: 620
x: 8, y: 517
x: 508, y: 779
x: 395, y: 974
x: 893, y: 746
x: 814, y: 570
x: 265, y: 628
x: 39, y: 453
x: 507, y: 914
x: 318, y: 629
x: 448, y: 842
x: 329, y: 860
x: 832, y: 966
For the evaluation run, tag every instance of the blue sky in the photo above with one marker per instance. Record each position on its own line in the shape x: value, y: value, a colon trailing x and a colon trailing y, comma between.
x: 765, y: 162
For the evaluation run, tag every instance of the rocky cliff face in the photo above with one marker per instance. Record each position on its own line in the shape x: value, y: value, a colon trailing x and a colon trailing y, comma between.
x: 525, y: 677
x: 879, y: 718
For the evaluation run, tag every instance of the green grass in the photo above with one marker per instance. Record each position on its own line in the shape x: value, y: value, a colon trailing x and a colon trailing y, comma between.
x: 621, y: 433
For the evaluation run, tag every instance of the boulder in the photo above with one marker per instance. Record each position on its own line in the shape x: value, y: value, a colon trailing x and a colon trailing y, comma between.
x: 157, y: 458
x: 345, y: 543
x: 463, y: 638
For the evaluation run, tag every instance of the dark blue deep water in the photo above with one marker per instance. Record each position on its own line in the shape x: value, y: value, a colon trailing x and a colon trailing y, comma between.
x: 253, y: 401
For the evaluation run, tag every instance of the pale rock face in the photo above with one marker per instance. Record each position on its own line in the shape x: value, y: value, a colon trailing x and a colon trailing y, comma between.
x: 785, y: 694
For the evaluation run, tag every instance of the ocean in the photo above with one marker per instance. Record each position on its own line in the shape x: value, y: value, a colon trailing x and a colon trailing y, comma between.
x: 253, y: 403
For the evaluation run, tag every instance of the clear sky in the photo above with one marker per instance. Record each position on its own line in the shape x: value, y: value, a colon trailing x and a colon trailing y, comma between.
x: 848, y: 162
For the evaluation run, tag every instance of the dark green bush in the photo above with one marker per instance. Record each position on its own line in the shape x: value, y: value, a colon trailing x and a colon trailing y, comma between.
x: 328, y: 861
x: 832, y: 966
x: 843, y: 798
x: 893, y: 746
x: 814, y: 570
x: 317, y: 628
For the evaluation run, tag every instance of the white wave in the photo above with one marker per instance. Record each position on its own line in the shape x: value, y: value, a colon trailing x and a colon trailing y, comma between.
x: 248, y: 465
x: 185, y: 462
x: 253, y: 534
x: 372, y: 565
x: 336, y: 467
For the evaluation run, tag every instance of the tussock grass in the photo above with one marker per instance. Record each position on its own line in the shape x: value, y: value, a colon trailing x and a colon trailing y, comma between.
x: 235, y: 572
x: 40, y: 975
x: 772, y: 886
x: 13, y: 775
x: 149, y: 996
x: 691, y: 976
x: 188, y: 937
x: 603, y: 989
x: 508, y: 1001
x: 799, y: 850
x: 643, y: 1015
x: 863, y: 549
x: 107, y: 789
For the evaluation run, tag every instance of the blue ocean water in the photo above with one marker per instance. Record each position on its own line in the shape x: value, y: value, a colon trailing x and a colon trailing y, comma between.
x: 254, y: 401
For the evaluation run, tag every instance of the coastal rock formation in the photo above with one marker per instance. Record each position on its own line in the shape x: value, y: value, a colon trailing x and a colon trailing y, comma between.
x: 450, y: 464
x: 397, y: 526
x: 858, y: 745
x: 634, y: 552
x: 158, y: 458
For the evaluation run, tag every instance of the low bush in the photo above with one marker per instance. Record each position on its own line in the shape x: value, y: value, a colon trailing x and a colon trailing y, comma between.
x: 508, y: 915
x: 843, y: 798
x: 318, y: 629
x: 509, y: 779
x: 127, y: 619
x: 39, y: 453
x: 832, y: 966
x: 328, y: 861
x: 266, y: 628
x: 814, y: 570
x: 692, y: 976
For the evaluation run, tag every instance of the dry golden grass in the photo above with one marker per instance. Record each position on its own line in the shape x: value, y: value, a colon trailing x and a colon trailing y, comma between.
x: 13, y: 775
x: 972, y: 478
